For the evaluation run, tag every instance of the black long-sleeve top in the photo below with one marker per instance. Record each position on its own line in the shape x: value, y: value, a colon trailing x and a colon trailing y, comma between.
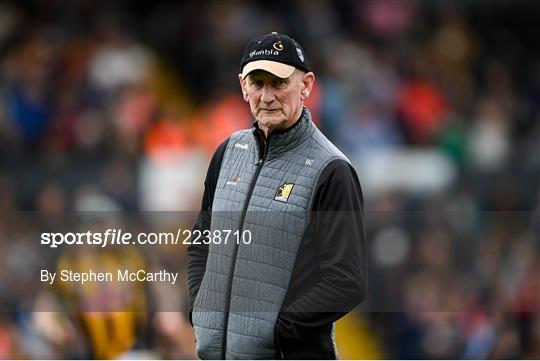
x: 329, y: 276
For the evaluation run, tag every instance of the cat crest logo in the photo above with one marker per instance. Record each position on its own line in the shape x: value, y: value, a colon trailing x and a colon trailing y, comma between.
x: 284, y: 192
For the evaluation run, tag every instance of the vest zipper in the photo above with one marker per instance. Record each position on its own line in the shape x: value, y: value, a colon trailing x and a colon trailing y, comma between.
x: 259, y: 164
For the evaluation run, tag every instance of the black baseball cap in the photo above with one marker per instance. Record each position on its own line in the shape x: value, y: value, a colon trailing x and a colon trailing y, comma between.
x: 275, y: 53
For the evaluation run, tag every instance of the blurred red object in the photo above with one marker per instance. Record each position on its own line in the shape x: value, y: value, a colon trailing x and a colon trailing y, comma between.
x: 423, y: 109
x: 220, y: 120
x: 165, y: 138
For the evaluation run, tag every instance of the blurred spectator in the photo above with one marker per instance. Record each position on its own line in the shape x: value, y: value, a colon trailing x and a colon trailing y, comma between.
x: 119, y: 61
x: 490, y: 137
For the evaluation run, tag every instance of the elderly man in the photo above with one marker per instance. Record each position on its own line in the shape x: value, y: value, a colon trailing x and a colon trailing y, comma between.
x: 278, y: 292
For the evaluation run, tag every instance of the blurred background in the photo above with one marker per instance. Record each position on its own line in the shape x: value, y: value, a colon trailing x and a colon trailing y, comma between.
x: 118, y: 106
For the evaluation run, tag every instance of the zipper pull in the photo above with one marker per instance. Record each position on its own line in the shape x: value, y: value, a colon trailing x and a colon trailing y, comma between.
x: 260, y: 162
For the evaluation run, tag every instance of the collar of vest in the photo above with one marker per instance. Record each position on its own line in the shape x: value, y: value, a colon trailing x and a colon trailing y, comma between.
x: 283, y: 140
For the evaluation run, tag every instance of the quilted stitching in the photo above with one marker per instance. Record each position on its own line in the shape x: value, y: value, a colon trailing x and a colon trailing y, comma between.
x: 276, y: 229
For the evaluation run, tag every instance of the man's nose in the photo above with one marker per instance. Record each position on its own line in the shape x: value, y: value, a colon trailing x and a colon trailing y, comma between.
x: 267, y: 95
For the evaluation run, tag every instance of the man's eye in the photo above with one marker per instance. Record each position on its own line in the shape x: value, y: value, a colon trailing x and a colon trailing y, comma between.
x: 280, y: 83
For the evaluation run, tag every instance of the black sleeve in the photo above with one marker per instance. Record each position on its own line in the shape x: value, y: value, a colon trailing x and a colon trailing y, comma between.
x: 198, y: 253
x: 341, y: 255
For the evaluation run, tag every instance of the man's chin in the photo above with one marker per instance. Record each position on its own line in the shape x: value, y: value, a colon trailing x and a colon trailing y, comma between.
x: 270, y: 122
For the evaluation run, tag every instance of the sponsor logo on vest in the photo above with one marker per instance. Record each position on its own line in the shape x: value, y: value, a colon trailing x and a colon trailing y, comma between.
x: 284, y: 192
x: 235, y: 182
x: 309, y: 162
x: 241, y: 146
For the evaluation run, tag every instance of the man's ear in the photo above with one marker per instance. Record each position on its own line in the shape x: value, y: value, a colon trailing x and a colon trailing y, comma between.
x: 243, y: 87
x: 308, y: 79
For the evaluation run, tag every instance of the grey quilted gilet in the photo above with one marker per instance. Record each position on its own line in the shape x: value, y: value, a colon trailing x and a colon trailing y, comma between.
x: 244, y: 284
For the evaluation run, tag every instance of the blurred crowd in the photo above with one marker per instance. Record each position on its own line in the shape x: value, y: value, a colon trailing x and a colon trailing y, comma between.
x: 118, y: 106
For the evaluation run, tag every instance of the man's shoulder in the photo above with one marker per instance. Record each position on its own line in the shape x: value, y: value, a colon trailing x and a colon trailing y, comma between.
x: 242, y: 133
x: 234, y: 137
x: 326, y: 147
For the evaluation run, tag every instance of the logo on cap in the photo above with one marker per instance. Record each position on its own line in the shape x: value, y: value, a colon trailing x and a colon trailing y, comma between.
x: 264, y: 52
x: 278, y: 46
x: 300, y: 55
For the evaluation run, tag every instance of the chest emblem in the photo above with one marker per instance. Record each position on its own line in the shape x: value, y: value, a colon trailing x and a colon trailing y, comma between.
x: 283, y: 193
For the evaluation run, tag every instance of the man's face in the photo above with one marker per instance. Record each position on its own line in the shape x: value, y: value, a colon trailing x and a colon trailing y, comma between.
x: 276, y: 102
